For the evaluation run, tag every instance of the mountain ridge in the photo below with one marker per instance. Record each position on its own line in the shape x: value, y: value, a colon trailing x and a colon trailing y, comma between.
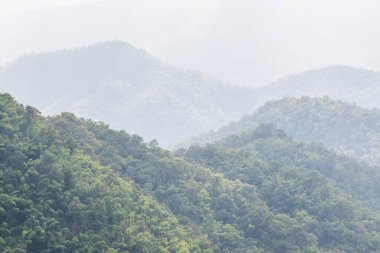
x: 101, y: 80
x: 117, y: 83
x: 340, y: 82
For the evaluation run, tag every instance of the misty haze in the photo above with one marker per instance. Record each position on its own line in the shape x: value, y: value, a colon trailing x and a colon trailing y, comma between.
x: 189, y: 126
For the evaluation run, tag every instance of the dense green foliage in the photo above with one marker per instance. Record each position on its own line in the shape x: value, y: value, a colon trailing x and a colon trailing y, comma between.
x: 293, y: 187
x: 54, y: 198
x: 260, y: 205
x: 272, y: 145
x: 344, y: 127
x: 74, y: 185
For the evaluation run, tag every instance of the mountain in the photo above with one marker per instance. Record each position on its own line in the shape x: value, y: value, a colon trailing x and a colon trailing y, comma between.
x: 73, y: 184
x: 127, y: 88
x: 338, y: 82
x: 343, y: 83
x: 343, y: 127
x: 250, y: 43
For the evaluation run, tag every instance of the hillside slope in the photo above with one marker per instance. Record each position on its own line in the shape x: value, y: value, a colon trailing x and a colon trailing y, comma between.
x: 273, y: 145
x: 344, y: 127
x: 286, y: 208
x: 126, y: 87
x: 55, y: 198
x: 69, y: 182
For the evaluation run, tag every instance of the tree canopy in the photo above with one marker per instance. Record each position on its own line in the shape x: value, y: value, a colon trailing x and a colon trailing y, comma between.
x: 75, y: 185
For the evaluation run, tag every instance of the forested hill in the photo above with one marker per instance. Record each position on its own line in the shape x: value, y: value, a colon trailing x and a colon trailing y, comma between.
x: 273, y: 145
x: 126, y: 87
x: 55, y: 198
x: 70, y: 184
x: 344, y: 127
x: 338, y: 82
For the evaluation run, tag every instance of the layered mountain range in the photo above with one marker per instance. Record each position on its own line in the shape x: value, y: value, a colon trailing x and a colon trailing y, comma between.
x: 343, y: 127
x: 129, y: 89
x: 298, y: 173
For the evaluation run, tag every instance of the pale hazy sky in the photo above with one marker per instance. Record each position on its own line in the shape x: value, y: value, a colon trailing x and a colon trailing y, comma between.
x: 246, y: 42
x: 12, y: 7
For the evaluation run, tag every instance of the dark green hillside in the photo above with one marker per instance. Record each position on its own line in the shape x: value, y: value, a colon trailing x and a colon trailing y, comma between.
x: 55, y: 198
x: 298, y: 189
x: 74, y: 185
x: 273, y: 145
x: 260, y: 205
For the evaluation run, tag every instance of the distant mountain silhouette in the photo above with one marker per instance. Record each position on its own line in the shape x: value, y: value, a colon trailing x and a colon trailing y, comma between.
x: 338, y: 82
x: 127, y: 88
